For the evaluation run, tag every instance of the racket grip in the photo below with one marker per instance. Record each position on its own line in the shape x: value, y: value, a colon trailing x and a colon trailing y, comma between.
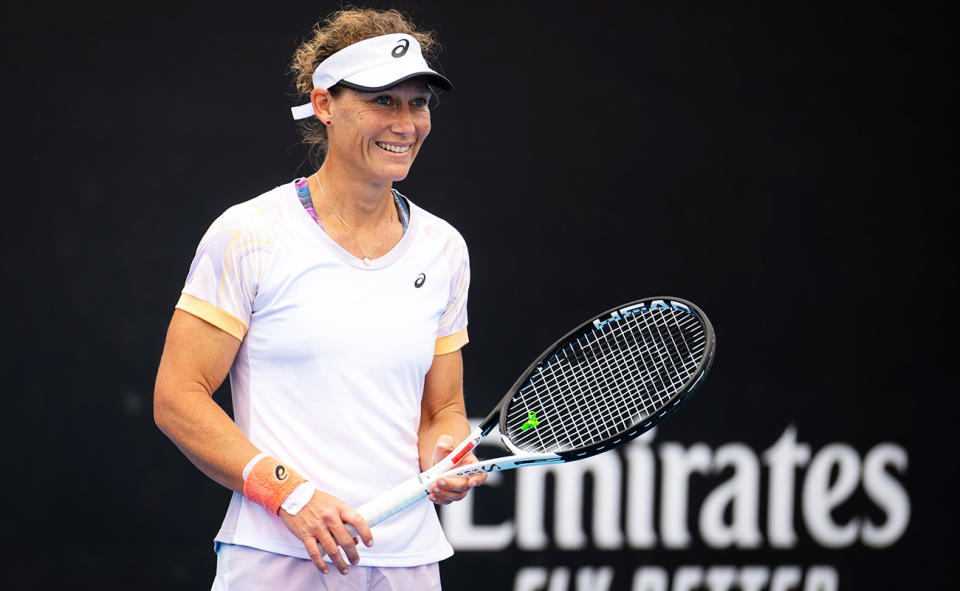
x: 393, y: 501
x: 417, y: 487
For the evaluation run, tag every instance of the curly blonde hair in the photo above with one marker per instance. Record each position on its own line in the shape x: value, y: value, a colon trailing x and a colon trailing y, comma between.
x: 337, y: 31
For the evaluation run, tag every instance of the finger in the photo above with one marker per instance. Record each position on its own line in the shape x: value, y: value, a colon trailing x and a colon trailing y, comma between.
x: 354, y: 518
x: 442, y: 448
x: 453, y: 484
x: 315, y: 552
x: 467, y: 460
x: 332, y: 551
x: 476, y: 480
x: 439, y: 500
x: 445, y: 495
x: 345, y: 540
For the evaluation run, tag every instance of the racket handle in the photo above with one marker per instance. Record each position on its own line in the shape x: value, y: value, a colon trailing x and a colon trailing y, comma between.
x: 417, y: 487
x: 393, y: 501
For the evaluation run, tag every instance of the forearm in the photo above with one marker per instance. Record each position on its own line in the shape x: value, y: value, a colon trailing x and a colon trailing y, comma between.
x: 205, y: 434
x: 196, y: 359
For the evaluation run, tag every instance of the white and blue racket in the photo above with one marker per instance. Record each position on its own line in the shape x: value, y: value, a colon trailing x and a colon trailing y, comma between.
x: 602, y: 384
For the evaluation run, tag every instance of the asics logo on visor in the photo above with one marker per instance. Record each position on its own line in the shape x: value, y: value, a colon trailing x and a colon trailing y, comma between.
x: 401, y: 49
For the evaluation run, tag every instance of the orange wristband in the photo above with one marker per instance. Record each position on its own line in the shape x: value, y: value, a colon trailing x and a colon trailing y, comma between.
x: 269, y: 483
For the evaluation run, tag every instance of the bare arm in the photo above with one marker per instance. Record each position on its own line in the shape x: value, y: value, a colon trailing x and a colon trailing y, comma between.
x: 443, y: 423
x: 196, y: 359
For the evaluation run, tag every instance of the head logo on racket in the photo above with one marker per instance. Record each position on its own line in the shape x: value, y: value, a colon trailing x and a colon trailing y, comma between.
x: 531, y: 421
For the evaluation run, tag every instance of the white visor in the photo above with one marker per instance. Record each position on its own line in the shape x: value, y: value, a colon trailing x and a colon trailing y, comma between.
x: 373, y: 65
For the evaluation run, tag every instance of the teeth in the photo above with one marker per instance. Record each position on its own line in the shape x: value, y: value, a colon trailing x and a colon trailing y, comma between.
x: 389, y: 148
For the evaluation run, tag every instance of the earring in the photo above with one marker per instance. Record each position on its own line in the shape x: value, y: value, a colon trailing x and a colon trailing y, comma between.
x: 329, y: 122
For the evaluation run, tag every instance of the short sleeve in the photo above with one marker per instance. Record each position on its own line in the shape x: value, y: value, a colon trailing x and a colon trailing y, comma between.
x: 452, y: 331
x: 227, y: 269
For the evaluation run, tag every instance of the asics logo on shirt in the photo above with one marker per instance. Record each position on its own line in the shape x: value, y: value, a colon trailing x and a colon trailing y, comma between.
x: 420, y: 279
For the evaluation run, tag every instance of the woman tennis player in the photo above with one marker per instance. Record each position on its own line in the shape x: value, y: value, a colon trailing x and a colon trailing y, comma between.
x: 339, y: 308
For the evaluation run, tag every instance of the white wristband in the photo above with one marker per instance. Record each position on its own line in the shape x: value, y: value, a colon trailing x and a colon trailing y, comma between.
x: 298, y: 499
x: 251, y: 463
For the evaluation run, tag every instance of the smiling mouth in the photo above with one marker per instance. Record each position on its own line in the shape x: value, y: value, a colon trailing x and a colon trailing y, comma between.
x: 392, y: 148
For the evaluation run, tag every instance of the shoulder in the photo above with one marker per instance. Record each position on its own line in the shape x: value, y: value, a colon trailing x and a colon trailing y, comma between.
x: 437, y: 229
x: 262, y: 214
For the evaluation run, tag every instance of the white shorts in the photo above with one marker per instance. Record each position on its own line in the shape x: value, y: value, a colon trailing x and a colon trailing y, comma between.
x: 242, y: 568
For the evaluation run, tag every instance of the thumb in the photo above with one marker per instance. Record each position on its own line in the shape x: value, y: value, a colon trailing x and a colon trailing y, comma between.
x: 442, y: 448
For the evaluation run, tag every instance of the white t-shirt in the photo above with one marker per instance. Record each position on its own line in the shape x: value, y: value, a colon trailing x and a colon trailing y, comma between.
x: 330, y: 372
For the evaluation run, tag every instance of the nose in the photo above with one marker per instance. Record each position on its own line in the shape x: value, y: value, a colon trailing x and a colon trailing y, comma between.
x: 403, y: 121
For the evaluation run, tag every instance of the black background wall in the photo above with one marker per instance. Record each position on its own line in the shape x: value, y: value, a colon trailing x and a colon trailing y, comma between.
x: 790, y: 169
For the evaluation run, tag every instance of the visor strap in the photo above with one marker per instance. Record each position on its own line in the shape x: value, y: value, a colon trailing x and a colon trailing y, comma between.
x: 302, y: 111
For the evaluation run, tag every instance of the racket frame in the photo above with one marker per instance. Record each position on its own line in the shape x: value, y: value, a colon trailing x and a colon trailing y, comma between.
x: 418, y: 487
x: 641, y: 306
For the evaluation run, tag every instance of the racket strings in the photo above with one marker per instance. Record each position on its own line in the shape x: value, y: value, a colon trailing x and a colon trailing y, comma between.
x: 606, y: 381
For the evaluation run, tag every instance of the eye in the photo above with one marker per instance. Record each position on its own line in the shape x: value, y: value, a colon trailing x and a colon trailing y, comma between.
x: 382, y: 100
x: 420, y: 102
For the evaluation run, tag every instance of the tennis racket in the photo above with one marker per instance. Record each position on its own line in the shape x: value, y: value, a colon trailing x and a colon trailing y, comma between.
x: 602, y: 384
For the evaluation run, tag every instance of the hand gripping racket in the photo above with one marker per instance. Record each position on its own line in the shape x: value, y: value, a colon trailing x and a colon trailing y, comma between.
x: 602, y: 384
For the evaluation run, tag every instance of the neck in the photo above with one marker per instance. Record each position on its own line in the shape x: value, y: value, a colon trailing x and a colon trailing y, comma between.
x: 360, y: 202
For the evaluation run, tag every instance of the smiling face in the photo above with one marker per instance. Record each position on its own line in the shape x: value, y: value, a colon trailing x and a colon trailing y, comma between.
x: 376, y: 136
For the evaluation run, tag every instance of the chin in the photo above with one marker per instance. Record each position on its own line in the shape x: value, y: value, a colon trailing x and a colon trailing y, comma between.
x: 396, y: 175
